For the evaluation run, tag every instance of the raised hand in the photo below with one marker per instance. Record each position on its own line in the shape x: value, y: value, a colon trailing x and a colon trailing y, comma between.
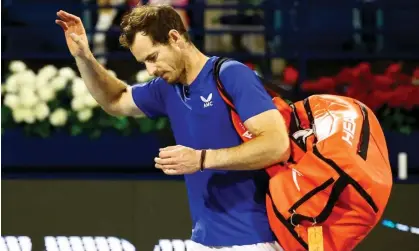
x: 74, y: 32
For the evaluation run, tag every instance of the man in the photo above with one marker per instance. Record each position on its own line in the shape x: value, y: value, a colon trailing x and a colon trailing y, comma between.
x: 227, y: 205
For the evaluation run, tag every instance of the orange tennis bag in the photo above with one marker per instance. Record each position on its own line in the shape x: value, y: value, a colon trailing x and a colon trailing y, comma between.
x: 335, y: 186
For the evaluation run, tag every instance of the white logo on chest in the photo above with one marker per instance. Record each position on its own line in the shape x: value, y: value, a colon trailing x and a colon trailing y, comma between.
x: 207, y: 101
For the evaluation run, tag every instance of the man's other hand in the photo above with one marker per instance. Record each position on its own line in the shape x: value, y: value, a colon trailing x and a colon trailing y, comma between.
x: 176, y: 160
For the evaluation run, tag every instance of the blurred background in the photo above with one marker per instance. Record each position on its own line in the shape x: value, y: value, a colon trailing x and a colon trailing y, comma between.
x: 74, y: 178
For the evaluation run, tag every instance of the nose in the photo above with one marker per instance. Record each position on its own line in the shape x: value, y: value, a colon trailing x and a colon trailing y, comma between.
x: 151, y: 68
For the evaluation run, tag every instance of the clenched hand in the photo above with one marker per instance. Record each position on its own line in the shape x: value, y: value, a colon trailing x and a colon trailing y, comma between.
x: 176, y: 160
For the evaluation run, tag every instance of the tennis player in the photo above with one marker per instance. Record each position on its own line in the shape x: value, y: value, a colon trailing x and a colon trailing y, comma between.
x: 225, y: 179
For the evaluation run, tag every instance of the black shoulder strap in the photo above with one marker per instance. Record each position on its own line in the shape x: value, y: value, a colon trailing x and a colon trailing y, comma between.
x: 216, y: 72
x: 270, y: 87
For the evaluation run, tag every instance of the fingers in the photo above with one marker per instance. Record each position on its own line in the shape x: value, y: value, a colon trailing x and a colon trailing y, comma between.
x: 165, y: 164
x: 67, y: 17
x: 62, y: 24
x: 172, y: 169
x: 167, y: 154
x: 167, y: 161
x: 170, y: 151
x: 170, y: 148
x: 166, y: 167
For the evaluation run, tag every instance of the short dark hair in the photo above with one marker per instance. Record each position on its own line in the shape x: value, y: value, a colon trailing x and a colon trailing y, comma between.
x: 152, y: 20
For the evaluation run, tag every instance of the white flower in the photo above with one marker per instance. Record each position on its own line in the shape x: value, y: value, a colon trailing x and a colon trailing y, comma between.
x: 29, y: 117
x: 66, y: 73
x: 41, y: 111
x: 12, y: 86
x: 89, y: 101
x: 78, y: 87
x: 12, y: 101
x: 17, y: 66
x: 84, y: 115
x: 58, y: 83
x: 47, y: 93
x: 58, y: 117
x: 28, y: 97
x: 40, y: 82
x: 23, y: 115
x: 19, y: 114
x: 143, y: 76
x: 26, y: 79
x: 77, y: 103
x: 47, y: 72
x: 112, y: 73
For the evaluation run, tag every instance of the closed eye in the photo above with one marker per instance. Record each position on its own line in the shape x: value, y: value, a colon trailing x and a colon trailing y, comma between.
x: 152, y: 58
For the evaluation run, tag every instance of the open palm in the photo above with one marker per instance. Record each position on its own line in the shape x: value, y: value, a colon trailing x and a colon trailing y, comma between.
x: 75, y: 33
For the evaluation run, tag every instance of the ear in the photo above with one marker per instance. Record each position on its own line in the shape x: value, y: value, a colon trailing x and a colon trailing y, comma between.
x: 176, y: 39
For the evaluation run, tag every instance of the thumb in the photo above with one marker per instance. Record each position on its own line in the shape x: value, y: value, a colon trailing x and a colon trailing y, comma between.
x: 76, y: 38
